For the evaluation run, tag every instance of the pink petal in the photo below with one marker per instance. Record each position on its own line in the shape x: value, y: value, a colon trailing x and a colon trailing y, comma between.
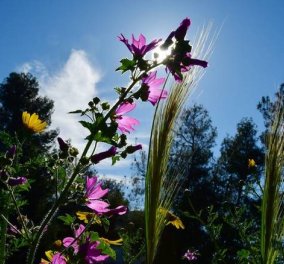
x: 80, y: 230
x: 98, y: 206
x: 125, y: 108
x: 125, y: 123
x: 97, y: 192
x: 91, y: 182
x: 67, y: 241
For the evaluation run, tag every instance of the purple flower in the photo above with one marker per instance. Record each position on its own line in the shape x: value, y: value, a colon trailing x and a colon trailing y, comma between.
x: 17, y: 181
x: 125, y: 123
x: 91, y: 253
x: 93, y: 193
x: 190, y: 255
x: 103, y: 155
x: 58, y: 259
x: 153, y: 84
x: 138, y: 47
x: 69, y: 241
x: 176, y: 68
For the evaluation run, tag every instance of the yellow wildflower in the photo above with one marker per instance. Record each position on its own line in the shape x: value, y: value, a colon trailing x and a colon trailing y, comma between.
x: 251, y: 163
x: 117, y: 242
x: 33, y: 122
x: 49, y: 255
x: 171, y: 218
x: 86, y: 216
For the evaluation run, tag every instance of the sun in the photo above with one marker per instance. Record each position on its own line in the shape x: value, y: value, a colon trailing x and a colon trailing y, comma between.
x: 160, y: 54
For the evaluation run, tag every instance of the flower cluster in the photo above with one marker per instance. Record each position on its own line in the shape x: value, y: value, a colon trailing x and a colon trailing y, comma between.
x: 108, y: 126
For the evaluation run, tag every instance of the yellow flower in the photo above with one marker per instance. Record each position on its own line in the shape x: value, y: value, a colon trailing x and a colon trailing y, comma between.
x: 49, y: 255
x: 86, y: 216
x: 251, y: 163
x: 117, y: 242
x: 172, y: 219
x: 33, y: 122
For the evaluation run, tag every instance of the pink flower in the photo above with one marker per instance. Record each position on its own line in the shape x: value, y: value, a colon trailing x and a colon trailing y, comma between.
x: 91, y: 253
x: 94, y: 192
x: 58, y: 259
x: 153, y: 84
x: 69, y: 241
x: 138, y: 47
x: 190, y: 255
x: 125, y: 123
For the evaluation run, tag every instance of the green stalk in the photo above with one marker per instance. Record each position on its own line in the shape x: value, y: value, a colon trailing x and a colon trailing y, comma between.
x: 48, y: 218
x: 272, y: 225
x: 3, y: 229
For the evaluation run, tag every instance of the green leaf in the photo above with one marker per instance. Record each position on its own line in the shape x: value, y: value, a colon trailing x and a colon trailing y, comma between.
x: 126, y: 65
x: 106, y: 249
x: 115, y: 159
x: 67, y: 219
x: 94, y: 236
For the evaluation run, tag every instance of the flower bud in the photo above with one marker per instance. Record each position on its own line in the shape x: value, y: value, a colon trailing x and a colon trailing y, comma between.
x: 62, y: 144
x: 103, y: 155
x: 132, y: 149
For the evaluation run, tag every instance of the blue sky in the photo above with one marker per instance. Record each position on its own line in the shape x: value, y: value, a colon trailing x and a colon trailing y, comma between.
x: 72, y: 47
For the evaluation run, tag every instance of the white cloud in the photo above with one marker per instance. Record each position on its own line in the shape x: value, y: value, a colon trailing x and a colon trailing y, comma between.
x: 71, y: 88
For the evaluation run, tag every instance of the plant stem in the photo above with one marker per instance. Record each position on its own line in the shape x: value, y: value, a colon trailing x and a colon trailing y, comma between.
x: 19, y: 213
x: 51, y: 213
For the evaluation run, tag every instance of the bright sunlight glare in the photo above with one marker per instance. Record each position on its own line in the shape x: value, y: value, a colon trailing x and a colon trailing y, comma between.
x: 160, y: 54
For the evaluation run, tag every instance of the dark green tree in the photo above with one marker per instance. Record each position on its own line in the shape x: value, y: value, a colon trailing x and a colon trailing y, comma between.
x: 193, y: 143
x: 19, y: 92
x: 192, y: 152
x: 267, y: 107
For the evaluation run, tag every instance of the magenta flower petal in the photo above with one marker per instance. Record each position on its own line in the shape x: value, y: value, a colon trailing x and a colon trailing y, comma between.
x: 58, y: 259
x: 91, y: 182
x: 125, y: 123
x: 153, y: 84
x: 94, y: 190
x: 125, y: 108
x: 79, y: 231
x: 97, y: 192
x: 69, y: 241
x: 98, y: 206
x: 92, y: 254
x: 138, y: 47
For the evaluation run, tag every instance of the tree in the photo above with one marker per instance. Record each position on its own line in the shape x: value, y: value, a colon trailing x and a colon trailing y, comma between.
x: 233, y: 169
x: 19, y: 93
x: 195, y: 138
x: 267, y: 107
